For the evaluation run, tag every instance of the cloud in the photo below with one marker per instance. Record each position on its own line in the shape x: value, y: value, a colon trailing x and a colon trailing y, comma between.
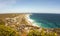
x: 30, y: 10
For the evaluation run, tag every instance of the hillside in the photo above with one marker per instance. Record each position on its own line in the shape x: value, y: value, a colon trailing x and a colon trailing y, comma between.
x: 21, y: 24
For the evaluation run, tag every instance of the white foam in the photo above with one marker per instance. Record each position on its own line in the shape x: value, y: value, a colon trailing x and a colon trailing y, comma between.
x: 28, y: 18
x: 31, y: 20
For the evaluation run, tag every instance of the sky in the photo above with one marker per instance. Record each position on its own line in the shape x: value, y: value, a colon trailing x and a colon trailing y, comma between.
x: 29, y: 6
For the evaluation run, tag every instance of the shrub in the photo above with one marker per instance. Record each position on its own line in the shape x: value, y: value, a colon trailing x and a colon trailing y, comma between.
x: 42, y: 33
x: 7, y: 31
x: 2, y: 22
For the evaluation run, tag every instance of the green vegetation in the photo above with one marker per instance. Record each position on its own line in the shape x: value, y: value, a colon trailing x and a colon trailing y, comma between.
x: 41, y: 33
x: 7, y: 31
x: 2, y: 22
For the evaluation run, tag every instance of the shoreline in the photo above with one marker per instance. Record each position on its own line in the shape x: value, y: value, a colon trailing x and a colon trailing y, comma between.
x: 31, y: 20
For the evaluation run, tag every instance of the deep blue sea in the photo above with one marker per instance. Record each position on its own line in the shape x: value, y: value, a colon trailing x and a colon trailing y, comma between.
x: 46, y: 20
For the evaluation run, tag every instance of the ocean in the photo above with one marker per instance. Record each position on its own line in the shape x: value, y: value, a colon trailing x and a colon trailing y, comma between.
x: 46, y: 20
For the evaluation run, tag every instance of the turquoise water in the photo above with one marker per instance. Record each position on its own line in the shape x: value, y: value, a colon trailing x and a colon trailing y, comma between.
x: 46, y: 20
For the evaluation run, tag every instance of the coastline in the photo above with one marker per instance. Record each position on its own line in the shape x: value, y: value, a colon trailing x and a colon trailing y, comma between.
x: 31, y: 20
x: 28, y: 24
